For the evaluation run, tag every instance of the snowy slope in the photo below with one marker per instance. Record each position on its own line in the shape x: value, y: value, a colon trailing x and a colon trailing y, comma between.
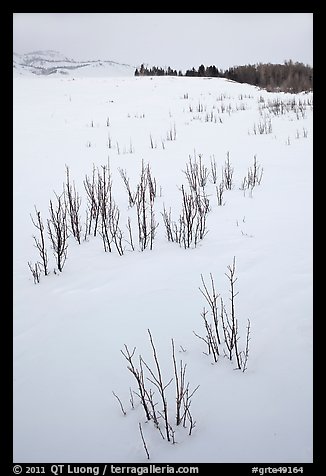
x: 49, y: 63
x: 69, y: 329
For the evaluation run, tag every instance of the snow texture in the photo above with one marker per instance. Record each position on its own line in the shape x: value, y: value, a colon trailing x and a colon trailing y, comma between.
x: 69, y: 329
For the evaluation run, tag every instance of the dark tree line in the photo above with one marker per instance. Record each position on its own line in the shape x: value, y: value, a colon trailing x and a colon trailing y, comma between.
x: 157, y: 71
x: 209, y: 71
x: 288, y: 77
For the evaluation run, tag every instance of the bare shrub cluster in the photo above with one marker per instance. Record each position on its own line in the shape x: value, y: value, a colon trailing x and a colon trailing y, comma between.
x: 72, y: 205
x: 58, y: 230
x: 190, y: 227
x: 221, y: 324
x: 253, y: 178
x: 264, y: 126
x: 151, y: 390
x: 293, y: 106
x: 104, y: 212
x: 39, y: 241
x: 103, y: 216
x: 145, y: 197
x: 227, y: 173
x: 57, y: 234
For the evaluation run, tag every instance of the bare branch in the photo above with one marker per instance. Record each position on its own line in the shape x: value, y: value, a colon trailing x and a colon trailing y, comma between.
x: 161, y: 386
x: 139, y: 376
x: 121, y: 406
x: 35, y: 271
x: 40, y: 243
x: 58, y: 231
x: 143, y: 440
x: 246, y: 353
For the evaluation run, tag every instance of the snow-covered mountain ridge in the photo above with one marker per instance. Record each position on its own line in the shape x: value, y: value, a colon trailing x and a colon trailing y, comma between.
x: 49, y: 62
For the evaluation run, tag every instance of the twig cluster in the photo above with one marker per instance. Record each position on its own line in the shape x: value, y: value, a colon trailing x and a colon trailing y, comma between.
x: 278, y: 107
x: 103, y: 214
x: 73, y: 202
x: 224, y: 326
x: 159, y: 412
x: 191, y: 227
x: 172, y: 133
x: 227, y: 173
x: 40, y: 245
x: 58, y: 230
x: 197, y: 173
x: 35, y: 270
x: 102, y: 217
x: 213, y: 170
x: 145, y: 196
x: 219, y: 193
x: 264, y: 126
x: 253, y: 177
x: 212, y: 338
x: 126, y: 181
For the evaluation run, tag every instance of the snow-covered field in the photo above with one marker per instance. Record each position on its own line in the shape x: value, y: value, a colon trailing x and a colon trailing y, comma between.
x: 69, y: 329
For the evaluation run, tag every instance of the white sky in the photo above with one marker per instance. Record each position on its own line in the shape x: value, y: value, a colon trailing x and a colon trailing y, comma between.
x: 179, y: 40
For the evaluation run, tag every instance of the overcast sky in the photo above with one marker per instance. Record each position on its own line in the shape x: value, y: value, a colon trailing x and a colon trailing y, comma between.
x: 179, y: 40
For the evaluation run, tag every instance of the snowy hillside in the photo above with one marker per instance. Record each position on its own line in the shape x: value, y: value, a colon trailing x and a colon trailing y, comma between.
x: 50, y: 62
x: 201, y: 142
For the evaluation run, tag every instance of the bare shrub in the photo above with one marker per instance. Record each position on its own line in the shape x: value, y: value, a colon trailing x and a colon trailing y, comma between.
x: 172, y: 133
x: 145, y: 197
x: 73, y: 202
x: 219, y: 193
x: 253, y: 177
x: 263, y: 127
x: 58, y: 231
x: 183, y: 394
x: 40, y: 245
x: 93, y: 205
x: 191, y: 225
x: 109, y: 212
x: 196, y: 173
x: 228, y: 321
x: 227, y: 173
x: 213, y: 170
x: 35, y: 270
x: 131, y: 196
